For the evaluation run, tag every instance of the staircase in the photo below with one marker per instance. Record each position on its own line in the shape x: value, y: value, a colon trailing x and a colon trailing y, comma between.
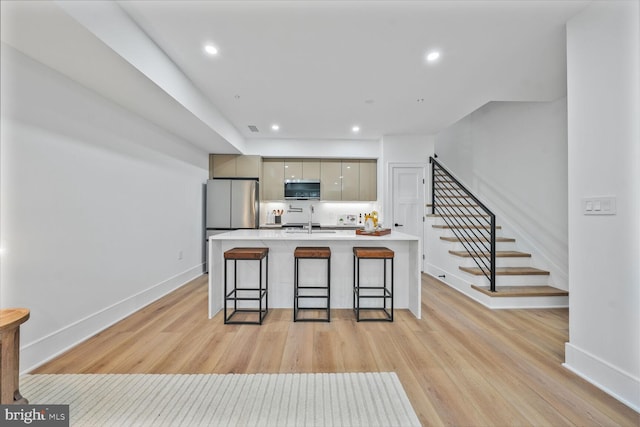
x: 477, y: 259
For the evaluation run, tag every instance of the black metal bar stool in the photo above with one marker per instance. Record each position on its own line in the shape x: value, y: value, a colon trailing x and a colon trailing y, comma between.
x: 372, y: 292
x: 311, y: 292
x: 236, y: 294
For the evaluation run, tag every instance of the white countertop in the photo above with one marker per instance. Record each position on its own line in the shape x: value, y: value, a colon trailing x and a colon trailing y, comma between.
x: 331, y: 226
x: 278, y: 234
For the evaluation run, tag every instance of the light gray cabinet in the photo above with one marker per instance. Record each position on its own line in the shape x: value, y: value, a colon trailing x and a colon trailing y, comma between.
x: 234, y: 166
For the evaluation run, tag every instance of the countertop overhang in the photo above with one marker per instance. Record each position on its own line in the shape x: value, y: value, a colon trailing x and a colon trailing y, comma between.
x: 278, y: 234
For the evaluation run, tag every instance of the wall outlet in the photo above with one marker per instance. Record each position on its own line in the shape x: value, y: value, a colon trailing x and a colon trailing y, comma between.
x: 180, y: 254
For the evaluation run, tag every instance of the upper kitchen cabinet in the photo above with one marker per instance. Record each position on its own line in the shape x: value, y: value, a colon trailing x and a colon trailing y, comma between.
x: 293, y: 169
x: 340, y: 179
x: 248, y: 166
x: 331, y: 179
x: 368, y: 180
x: 234, y: 166
x: 350, y: 180
x: 301, y: 169
x: 272, y: 183
x: 310, y: 169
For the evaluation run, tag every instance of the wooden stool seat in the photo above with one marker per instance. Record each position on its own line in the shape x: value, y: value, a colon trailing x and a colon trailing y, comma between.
x: 246, y: 253
x: 309, y: 292
x: 312, y: 252
x: 372, y: 252
x: 10, y: 321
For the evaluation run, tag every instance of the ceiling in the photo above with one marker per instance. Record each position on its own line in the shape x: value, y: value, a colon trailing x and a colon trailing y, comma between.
x: 317, y: 68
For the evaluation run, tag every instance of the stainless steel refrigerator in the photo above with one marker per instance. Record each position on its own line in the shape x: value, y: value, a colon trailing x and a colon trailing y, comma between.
x: 231, y: 204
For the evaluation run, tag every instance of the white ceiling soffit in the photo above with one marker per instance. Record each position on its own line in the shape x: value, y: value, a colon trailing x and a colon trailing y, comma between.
x: 319, y: 67
x: 314, y: 67
x: 43, y: 31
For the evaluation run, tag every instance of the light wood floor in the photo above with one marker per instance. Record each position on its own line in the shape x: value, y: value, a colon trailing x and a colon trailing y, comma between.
x: 461, y: 364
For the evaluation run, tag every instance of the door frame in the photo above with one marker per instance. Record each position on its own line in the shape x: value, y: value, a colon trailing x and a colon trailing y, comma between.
x: 389, y: 200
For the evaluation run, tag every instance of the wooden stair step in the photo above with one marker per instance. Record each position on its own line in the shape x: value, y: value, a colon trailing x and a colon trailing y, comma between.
x: 459, y: 215
x: 445, y: 226
x: 507, y: 271
x: 477, y: 239
x: 448, y: 205
x: 499, y: 254
x: 447, y: 185
x: 522, y: 291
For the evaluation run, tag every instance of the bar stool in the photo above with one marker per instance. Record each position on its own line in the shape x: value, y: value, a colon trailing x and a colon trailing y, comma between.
x: 10, y: 321
x: 238, y: 294
x: 311, y: 292
x: 373, y: 291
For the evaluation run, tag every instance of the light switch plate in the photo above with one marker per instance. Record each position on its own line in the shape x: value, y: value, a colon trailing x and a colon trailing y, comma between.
x: 599, y: 205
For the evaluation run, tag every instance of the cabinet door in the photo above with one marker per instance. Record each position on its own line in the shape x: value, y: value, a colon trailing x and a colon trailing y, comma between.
x: 368, y: 180
x: 248, y: 166
x: 272, y: 179
x: 330, y: 179
x: 293, y: 169
x: 350, y: 180
x: 310, y: 169
x: 224, y: 165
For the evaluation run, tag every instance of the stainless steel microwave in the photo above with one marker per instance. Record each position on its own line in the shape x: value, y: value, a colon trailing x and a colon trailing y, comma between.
x: 302, y: 189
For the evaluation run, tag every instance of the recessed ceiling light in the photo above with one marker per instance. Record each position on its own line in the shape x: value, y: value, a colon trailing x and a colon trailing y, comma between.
x: 355, y: 129
x: 275, y: 127
x: 211, y: 49
x: 433, y: 56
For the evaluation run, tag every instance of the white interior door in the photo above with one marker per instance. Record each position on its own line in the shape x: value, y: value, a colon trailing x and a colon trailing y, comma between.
x: 409, y: 201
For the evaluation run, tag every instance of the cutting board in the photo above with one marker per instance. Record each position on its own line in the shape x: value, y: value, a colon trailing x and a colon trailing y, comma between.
x: 379, y: 232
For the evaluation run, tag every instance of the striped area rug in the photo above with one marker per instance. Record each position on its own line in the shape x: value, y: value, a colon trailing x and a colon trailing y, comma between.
x: 349, y: 399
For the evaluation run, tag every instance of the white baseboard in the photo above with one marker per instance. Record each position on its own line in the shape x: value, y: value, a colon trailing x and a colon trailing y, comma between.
x: 613, y: 381
x: 38, y: 352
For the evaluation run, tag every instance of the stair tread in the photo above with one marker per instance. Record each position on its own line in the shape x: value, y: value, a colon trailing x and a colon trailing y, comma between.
x: 458, y: 215
x: 445, y: 226
x: 475, y: 239
x: 522, y: 291
x: 499, y: 254
x: 455, y: 205
x: 508, y: 271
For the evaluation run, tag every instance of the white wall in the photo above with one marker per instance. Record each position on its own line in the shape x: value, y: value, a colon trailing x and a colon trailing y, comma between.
x: 603, y: 45
x: 409, y: 150
x: 414, y: 149
x: 328, y: 148
x: 513, y: 156
x: 96, y: 206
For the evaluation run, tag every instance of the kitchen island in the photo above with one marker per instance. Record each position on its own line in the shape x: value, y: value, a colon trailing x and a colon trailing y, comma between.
x: 282, y: 243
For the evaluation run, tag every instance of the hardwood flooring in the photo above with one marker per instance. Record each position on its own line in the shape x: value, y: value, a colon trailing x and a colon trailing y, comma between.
x: 461, y: 364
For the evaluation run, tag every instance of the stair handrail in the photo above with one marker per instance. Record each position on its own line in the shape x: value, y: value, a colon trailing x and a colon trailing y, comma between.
x: 465, y: 221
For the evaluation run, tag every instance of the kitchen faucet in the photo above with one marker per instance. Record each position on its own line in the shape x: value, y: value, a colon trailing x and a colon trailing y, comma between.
x: 310, y: 218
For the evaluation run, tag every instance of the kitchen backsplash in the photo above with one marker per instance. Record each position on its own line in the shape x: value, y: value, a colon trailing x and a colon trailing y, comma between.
x: 326, y: 213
